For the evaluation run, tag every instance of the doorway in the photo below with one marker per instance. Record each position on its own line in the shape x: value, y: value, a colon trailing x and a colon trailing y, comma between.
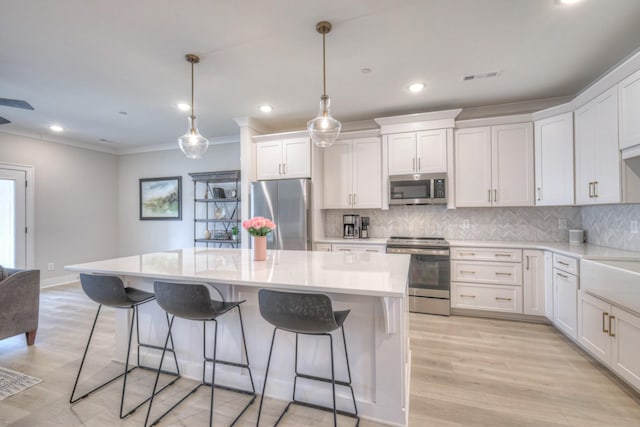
x: 16, y: 217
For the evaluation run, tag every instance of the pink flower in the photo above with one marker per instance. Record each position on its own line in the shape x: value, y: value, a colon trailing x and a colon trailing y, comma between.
x: 258, y: 226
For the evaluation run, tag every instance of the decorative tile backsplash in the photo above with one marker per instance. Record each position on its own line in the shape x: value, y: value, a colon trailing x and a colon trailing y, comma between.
x: 525, y: 223
x: 608, y: 225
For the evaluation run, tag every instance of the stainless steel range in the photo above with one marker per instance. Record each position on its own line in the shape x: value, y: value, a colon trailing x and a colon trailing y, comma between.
x: 429, y: 272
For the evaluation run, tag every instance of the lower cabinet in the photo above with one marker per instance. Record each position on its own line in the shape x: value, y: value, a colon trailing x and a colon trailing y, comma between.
x: 611, y: 335
x: 565, y: 309
x: 479, y: 296
x: 533, y: 282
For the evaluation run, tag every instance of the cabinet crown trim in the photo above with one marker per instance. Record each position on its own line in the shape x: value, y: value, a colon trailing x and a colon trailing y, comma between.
x: 281, y: 135
x: 419, y: 121
x: 493, y: 121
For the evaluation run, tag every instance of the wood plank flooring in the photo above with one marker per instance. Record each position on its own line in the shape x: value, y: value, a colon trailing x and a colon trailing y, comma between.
x: 465, y: 372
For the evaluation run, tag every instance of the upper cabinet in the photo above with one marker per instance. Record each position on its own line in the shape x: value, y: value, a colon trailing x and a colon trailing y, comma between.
x: 418, y: 152
x: 283, y: 159
x: 353, y: 174
x: 597, y: 153
x: 494, y: 166
x: 554, y: 160
x: 629, y: 103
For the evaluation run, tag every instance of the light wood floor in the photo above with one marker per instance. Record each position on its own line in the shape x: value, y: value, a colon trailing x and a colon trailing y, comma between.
x: 465, y: 372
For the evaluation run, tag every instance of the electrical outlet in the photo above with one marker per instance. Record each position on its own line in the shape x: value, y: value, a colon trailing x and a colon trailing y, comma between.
x: 465, y: 223
x: 562, y: 223
x: 634, y: 227
x: 51, y: 266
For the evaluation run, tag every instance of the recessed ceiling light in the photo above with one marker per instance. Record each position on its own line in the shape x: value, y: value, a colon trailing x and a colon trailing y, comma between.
x: 266, y: 108
x: 184, y: 107
x: 365, y: 70
x: 123, y: 113
x: 56, y: 128
x: 569, y: 1
x: 416, y: 87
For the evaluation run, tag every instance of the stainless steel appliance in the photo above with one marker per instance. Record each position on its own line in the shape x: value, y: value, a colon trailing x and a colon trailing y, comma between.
x: 418, y: 189
x: 429, y: 272
x: 287, y: 203
x: 364, y: 227
x: 351, y: 226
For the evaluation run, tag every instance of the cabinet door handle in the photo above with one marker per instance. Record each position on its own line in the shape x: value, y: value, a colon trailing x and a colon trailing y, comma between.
x: 502, y: 299
x: 419, y: 165
x: 611, y: 334
x: 284, y: 169
x: 489, y: 195
x: 590, y: 189
x: 279, y: 168
x: 349, y: 198
x: 595, y: 188
x: 566, y: 264
x: 527, y: 262
x: 495, y: 195
x: 498, y: 273
x: 467, y: 296
x: 604, y: 329
x: 414, y: 163
x: 355, y: 199
x: 562, y: 275
x: 467, y: 272
x: 504, y: 255
x: 539, y: 193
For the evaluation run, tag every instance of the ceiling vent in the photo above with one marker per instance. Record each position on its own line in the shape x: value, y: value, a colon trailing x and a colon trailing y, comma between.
x: 481, y: 76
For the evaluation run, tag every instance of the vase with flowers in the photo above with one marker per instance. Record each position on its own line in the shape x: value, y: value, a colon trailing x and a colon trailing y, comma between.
x: 259, y: 228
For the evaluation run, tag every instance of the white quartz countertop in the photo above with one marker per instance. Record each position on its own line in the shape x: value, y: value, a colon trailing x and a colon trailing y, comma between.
x: 352, y: 241
x: 371, y: 274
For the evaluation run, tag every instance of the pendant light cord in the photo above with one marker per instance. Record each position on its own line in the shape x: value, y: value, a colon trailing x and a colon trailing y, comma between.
x: 324, y: 68
x: 193, y: 116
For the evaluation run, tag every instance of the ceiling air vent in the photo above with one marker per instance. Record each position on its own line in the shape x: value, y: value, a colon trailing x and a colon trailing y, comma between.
x: 481, y: 76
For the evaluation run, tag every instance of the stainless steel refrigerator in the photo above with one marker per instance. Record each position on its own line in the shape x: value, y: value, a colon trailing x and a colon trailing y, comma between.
x: 287, y: 202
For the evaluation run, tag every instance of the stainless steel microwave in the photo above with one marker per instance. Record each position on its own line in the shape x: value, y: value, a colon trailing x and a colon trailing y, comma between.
x: 418, y: 189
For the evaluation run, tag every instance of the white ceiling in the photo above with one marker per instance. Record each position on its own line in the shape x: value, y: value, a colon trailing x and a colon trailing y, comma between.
x: 80, y: 63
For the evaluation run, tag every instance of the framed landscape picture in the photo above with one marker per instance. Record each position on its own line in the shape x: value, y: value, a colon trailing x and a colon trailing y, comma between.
x: 161, y: 198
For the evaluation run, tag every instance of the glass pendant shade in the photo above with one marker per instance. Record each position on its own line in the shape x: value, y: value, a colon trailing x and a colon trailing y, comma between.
x: 192, y: 144
x: 324, y: 129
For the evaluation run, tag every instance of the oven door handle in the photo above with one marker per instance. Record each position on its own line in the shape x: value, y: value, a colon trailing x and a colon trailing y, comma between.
x: 415, y: 251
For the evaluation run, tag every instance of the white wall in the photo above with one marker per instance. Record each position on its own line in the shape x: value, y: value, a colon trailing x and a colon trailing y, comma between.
x: 75, y: 201
x: 135, y: 236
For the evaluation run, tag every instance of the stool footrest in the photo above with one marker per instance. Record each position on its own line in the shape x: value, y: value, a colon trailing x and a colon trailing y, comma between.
x: 322, y: 379
x: 229, y: 388
x: 319, y: 407
x: 156, y: 347
x: 225, y: 362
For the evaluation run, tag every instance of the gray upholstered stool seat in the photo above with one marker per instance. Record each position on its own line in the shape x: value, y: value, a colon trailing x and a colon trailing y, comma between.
x: 110, y: 291
x: 193, y: 302
x: 306, y: 314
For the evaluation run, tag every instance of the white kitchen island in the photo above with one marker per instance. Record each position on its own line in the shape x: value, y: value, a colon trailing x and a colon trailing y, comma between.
x: 372, y: 285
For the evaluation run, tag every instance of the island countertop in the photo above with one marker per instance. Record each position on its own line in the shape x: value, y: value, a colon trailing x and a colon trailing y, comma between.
x: 371, y: 274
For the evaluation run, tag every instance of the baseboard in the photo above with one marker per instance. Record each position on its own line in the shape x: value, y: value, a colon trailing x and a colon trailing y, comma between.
x: 499, y: 315
x: 58, y: 281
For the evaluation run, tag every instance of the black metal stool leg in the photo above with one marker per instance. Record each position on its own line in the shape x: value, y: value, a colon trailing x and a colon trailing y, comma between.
x: 246, y: 355
x: 155, y: 384
x: 134, y: 317
x: 266, y: 374
x: 333, y: 383
x: 346, y: 356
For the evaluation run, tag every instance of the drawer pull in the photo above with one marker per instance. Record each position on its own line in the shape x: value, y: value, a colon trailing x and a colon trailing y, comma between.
x: 563, y: 263
x: 467, y: 254
x: 502, y: 299
x: 604, y: 329
x: 502, y: 274
x: 467, y: 272
x: 504, y: 255
x: 371, y: 250
x: 344, y: 250
x: 563, y: 275
x: 611, y: 334
x: 467, y: 296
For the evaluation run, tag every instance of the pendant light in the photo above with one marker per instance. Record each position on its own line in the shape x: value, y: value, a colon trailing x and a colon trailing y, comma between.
x: 324, y: 129
x: 192, y: 144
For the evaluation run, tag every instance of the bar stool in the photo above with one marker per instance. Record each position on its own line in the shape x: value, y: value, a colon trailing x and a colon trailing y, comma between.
x: 110, y: 291
x: 306, y: 314
x: 193, y: 302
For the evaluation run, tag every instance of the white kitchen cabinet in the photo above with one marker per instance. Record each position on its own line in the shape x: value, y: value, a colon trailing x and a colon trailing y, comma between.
x: 629, y: 109
x: 418, y: 152
x: 533, y: 282
x: 554, y: 161
x: 494, y: 166
x: 597, y: 153
x: 611, y: 335
x: 353, y: 174
x: 358, y: 248
x: 593, y: 327
x: 485, y: 297
x: 625, y: 331
x: 283, y: 159
x: 548, y: 286
x: 486, y: 254
x: 499, y: 273
x: 565, y: 301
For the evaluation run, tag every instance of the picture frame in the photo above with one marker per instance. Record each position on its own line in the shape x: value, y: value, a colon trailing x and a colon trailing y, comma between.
x: 161, y: 198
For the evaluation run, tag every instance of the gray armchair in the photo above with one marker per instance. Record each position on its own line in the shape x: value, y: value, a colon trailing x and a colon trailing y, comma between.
x: 19, y: 303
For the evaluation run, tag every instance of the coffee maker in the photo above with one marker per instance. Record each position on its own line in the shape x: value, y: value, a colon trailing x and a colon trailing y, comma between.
x: 351, y: 226
x: 364, y: 228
